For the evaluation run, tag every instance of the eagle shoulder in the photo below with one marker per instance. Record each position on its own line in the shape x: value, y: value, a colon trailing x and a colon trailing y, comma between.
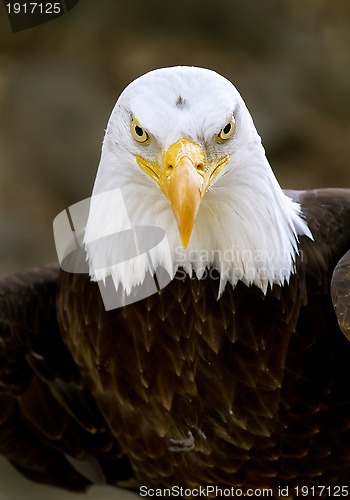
x: 327, y: 212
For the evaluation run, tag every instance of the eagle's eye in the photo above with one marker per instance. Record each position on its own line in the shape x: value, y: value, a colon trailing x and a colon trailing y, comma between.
x: 138, y: 133
x: 228, y: 130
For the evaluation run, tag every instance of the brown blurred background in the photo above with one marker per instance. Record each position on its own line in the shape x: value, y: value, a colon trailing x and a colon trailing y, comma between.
x: 290, y: 59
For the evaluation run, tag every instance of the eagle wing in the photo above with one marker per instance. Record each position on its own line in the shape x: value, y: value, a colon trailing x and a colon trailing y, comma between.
x: 328, y: 214
x: 340, y: 290
x: 50, y: 425
x: 162, y: 372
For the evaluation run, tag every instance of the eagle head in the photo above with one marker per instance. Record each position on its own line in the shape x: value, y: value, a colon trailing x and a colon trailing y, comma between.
x: 183, y: 154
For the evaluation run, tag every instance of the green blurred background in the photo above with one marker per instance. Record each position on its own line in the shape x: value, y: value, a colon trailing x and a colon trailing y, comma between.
x: 290, y: 59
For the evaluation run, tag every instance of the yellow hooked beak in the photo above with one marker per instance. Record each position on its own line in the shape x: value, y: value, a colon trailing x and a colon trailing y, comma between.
x: 184, y: 164
x: 184, y: 176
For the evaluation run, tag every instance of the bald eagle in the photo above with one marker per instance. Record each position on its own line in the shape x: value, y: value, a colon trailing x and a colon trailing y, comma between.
x: 233, y: 375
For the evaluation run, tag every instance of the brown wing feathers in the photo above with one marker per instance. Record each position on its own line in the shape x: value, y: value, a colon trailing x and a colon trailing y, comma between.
x: 249, y: 390
x: 47, y: 412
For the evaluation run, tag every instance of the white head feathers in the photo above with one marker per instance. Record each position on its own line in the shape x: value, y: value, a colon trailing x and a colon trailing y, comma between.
x: 245, y: 227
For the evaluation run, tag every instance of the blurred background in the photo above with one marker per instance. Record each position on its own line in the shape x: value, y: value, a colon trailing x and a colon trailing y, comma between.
x: 290, y: 59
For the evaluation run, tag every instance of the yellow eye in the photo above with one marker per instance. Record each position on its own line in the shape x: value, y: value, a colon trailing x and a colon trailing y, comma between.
x: 228, y: 131
x: 138, y: 133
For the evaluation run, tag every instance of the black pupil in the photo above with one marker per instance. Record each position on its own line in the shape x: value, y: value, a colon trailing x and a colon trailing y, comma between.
x: 139, y: 131
x: 227, y: 128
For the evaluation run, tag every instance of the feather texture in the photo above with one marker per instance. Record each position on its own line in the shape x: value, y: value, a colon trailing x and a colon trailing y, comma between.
x: 236, y: 373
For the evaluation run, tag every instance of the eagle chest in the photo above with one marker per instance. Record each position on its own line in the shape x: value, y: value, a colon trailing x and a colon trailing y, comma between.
x: 181, y: 366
